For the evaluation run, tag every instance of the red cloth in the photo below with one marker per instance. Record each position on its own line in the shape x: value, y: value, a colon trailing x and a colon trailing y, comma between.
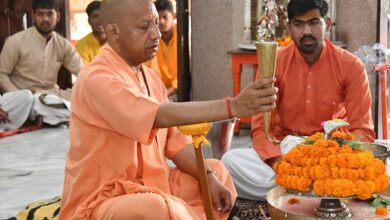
x: 20, y: 130
x: 336, y: 86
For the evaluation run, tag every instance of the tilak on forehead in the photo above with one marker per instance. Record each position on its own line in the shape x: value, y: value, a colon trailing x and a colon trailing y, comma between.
x: 309, y: 15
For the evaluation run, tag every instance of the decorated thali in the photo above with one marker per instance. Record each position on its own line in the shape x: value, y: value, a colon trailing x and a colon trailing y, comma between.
x: 331, y: 175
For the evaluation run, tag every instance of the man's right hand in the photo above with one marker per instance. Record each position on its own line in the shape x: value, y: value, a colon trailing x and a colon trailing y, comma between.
x: 3, y: 116
x: 259, y: 96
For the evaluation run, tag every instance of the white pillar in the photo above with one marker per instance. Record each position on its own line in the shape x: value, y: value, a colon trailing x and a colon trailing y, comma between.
x: 247, y: 22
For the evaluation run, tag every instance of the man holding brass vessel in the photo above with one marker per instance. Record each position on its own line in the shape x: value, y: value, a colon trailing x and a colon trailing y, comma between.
x: 122, y: 133
x: 317, y: 82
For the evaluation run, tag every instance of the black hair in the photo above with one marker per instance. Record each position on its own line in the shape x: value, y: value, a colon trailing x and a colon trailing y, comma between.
x: 45, y: 4
x: 94, y: 5
x: 162, y: 5
x: 301, y: 7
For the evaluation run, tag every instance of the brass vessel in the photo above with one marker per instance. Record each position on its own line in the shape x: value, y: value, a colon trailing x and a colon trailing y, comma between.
x: 266, y: 58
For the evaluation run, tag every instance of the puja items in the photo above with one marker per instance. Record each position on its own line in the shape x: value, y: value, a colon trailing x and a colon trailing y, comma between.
x: 329, y: 168
x: 198, y: 133
x: 332, y: 168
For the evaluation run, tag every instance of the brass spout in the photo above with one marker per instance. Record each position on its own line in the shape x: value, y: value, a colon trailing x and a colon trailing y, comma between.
x: 266, y: 58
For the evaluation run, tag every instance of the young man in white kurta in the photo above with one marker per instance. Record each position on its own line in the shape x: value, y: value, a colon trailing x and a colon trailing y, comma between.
x: 32, y: 58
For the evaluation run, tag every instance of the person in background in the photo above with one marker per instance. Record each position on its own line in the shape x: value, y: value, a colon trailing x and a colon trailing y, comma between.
x: 317, y: 81
x: 15, y: 108
x: 31, y: 59
x: 89, y: 46
x: 123, y: 127
x: 165, y: 61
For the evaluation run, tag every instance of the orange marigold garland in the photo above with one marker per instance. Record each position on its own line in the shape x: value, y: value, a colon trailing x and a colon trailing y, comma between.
x: 330, y: 169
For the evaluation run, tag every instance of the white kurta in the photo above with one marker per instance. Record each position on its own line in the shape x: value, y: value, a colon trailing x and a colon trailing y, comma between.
x: 18, y: 104
x: 252, y: 177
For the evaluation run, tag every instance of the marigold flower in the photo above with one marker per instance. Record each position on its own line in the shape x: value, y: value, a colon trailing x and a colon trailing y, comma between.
x: 306, y: 172
x: 334, y: 172
x: 349, y: 137
x: 343, y: 172
x: 338, y: 134
x: 332, y: 160
x: 298, y: 171
x: 330, y: 169
x: 342, y: 160
x: 382, y: 211
x: 276, y: 167
x: 324, y: 161
x: 328, y: 187
x: 365, y: 158
x: 319, y: 187
x: 337, y: 187
x: 345, y: 149
x: 322, y: 172
x: 304, y: 184
x: 321, y: 143
x: 369, y: 173
x: 352, y: 174
x: 378, y: 166
x: 352, y: 161
x: 316, y: 136
x: 332, y: 143
x: 381, y: 183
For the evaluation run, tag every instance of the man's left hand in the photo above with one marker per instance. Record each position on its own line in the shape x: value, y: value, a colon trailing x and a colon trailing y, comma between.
x: 221, y: 196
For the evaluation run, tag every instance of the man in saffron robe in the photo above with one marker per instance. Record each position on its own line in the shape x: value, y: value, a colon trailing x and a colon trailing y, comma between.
x: 318, y: 81
x: 122, y: 131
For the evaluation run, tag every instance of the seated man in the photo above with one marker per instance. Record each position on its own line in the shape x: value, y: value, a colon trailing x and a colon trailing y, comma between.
x: 318, y: 82
x: 89, y: 46
x: 32, y: 58
x: 15, y: 109
x: 165, y: 61
x: 122, y: 128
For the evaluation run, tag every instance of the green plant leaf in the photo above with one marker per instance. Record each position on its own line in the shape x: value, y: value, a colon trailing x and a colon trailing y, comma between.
x: 379, y: 202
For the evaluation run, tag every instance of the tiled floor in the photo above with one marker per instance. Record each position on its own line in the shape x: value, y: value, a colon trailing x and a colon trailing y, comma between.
x: 31, y: 168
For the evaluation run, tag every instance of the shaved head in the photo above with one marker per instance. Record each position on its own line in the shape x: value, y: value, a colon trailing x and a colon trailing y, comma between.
x: 109, y: 8
x: 113, y: 10
x: 131, y: 27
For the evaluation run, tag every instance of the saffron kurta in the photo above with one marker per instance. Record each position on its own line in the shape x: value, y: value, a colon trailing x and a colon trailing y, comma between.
x: 114, y: 150
x: 336, y: 86
x: 88, y: 47
x: 165, y: 61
